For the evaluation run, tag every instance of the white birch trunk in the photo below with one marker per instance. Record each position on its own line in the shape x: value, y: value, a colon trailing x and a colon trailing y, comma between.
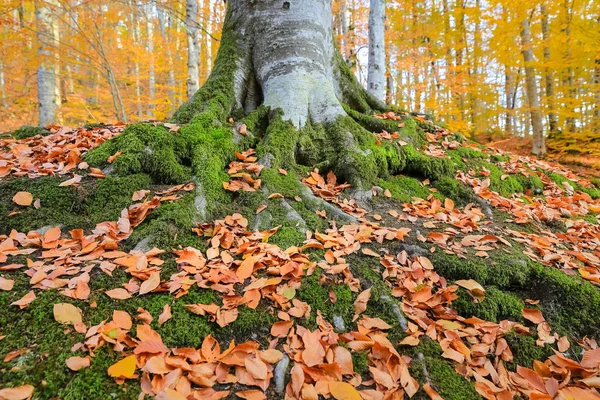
x: 376, y: 76
x: 191, y: 25
x: 539, y: 146
x: 151, y: 72
x: 45, y: 73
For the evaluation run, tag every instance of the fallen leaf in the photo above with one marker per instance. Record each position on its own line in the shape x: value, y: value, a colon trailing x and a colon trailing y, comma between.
x: 118, y: 294
x: 23, y: 198
x: 17, y: 393
x: 165, y: 315
x: 124, y: 368
x: 343, y: 391
x: 6, y: 284
x: 67, y: 313
x: 25, y: 300
x: 150, y: 284
x: 533, y: 315
x: 76, y: 363
x: 246, y: 268
x: 122, y: 319
x: 360, y: 304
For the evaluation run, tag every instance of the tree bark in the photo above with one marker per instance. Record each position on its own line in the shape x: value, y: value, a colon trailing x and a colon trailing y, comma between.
x: 596, y: 124
x: 376, y: 76
x: 151, y: 72
x: 552, y: 120
x: 539, y: 146
x: 191, y: 25
x: 45, y: 73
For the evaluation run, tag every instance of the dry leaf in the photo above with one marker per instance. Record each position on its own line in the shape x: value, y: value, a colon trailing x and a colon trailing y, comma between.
x: 118, y: 294
x: 23, y: 198
x: 77, y: 363
x: 24, y: 301
x: 165, y: 315
x: 343, y: 391
x: 17, y: 393
x: 122, y: 319
x: 124, y: 368
x: 150, y: 284
x: 67, y: 313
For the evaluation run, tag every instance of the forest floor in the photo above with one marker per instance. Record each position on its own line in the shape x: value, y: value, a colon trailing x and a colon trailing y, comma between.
x: 484, y: 285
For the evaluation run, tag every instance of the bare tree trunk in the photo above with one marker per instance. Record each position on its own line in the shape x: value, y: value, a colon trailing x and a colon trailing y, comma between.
x: 569, y: 79
x: 509, y: 90
x: 45, y: 73
x: 58, y: 96
x: 343, y: 21
x: 138, y: 85
x: 539, y: 146
x: 191, y: 25
x: 596, y: 124
x: 164, y: 22
x: 3, y: 86
x: 151, y: 72
x: 376, y: 77
x: 552, y: 120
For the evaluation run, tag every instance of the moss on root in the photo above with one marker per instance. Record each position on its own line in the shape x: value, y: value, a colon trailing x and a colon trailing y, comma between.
x: 25, y: 132
x: 570, y: 304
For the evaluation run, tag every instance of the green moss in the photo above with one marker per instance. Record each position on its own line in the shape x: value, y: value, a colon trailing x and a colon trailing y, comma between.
x: 444, y: 379
x: 25, y: 132
x: 569, y: 303
x: 58, y: 205
x: 593, y: 191
x: 404, y: 188
x: 454, y: 189
x: 316, y: 294
x: 146, y: 148
x: 525, y: 350
x: 496, y: 306
x: 360, y: 361
x: 113, y: 194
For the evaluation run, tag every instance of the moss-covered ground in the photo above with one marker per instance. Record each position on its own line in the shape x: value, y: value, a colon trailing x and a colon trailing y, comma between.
x: 154, y: 157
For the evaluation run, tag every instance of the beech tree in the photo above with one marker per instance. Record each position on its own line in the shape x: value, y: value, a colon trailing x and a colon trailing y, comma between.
x: 281, y: 55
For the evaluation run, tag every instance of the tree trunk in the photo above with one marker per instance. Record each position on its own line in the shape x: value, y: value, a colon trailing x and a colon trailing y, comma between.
x: 552, y: 120
x: 45, y: 73
x: 539, y: 146
x: 282, y: 55
x: 151, y: 72
x: 596, y: 119
x: 191, y: 25
x: 376, y: 77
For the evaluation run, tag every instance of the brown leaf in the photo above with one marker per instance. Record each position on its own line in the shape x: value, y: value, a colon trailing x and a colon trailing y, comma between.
x: 533, y: 315
x: 66, y: 313
x: 165, y: 315
x: 246, y: 268
x: 122, y: 319
x: 23, y: 198
x: 150, y: 284
x: 360, y: 304
x: 6, y: 284
x: 76, y: 363
x: 118, y: 294
x: 17, y: 393
x: 25, y: 300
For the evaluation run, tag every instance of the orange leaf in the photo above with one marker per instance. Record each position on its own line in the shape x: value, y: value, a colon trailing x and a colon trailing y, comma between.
x: 124, y: 368
x: 533, y: 315
x: 150, y: 284
x: 77, y: 363
x: 122, y: 319
x: 246, y: 269
x: 343, y: 391
x: 23, y: 198
x: 66, y: 313
x: 165, y: 315
x: 6, y: 284
x: 251, y: 395
x: 24, y: 301
x: 17, y: 393
x: 118, y: 294
x: 281, y: 328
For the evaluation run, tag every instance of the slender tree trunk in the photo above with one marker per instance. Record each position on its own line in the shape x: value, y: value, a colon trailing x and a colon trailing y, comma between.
x: 552, y: 120
x: 509, y: 90
x: 343, y: 20
x: 539, y: 146
x: 138, y: 84
x: 151, y: 67
x: 191, y: 26
x: 596, y: 124
x: 45, y: 73
x: 460, y: 51
x: 569, y: 79
x: 3, y: 86
x: 58, y: 93
x: 376, y: 77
